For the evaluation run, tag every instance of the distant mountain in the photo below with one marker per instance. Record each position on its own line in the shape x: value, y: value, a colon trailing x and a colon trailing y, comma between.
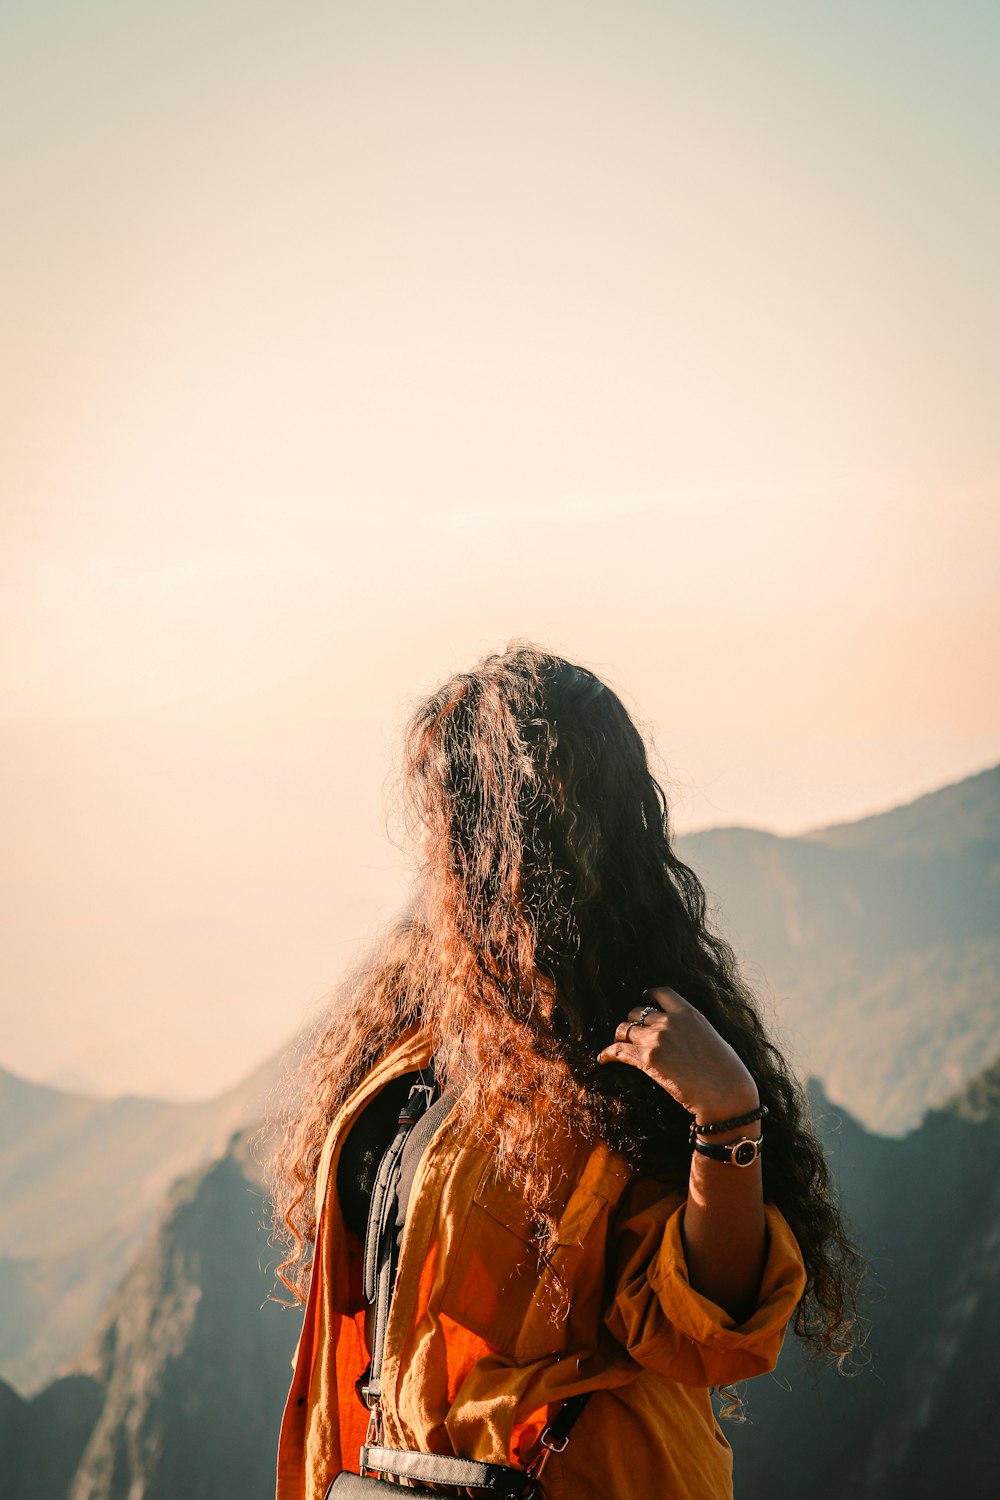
x: 70, y: 1081
x: 877, y: 942
x: 80, y: 1182
x: 979, y: 1100
x: 179, y: 1391
x: 917, y: 1421
x: 944, y: 821
x: 195, y: 1363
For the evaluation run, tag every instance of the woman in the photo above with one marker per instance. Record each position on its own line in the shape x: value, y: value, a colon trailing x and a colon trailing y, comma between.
x: 620, y: 1194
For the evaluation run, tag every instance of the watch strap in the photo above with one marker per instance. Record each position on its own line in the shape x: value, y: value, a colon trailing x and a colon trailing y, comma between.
x: 741, y: 1153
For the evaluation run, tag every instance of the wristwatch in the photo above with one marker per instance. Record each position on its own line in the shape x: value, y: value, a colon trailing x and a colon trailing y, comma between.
x: 741, y: 1153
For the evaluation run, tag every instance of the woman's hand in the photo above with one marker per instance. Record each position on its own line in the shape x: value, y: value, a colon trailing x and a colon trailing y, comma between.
x: 724, y: 1228
x: 685, y: 1055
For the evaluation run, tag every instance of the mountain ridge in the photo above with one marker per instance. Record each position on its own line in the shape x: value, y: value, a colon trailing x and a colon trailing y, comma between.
x: 873, y: 946
x: 107, y: 1164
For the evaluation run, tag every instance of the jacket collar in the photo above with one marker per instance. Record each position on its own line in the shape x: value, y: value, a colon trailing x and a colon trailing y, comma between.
x: 412, y: 1050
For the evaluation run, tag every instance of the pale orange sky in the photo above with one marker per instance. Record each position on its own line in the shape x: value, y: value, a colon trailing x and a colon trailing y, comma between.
x: 342, y: 347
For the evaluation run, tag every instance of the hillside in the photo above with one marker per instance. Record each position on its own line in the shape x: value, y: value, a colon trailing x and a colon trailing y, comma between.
x: 191, y: 1357
x: 43, y: 1439
x: 178, y: 1391
x: 876, y: 943
x: 80, y: 1182
x: 916, y: 1420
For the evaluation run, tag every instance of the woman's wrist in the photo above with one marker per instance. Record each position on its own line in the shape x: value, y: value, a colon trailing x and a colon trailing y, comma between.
x: 728, y: 1106
x: 752, y: 1132
x: 717, y: 1128
x: 727, y: 1124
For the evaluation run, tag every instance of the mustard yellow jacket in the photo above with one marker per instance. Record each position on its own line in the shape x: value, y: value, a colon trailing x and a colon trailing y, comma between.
x: 474, y: 1359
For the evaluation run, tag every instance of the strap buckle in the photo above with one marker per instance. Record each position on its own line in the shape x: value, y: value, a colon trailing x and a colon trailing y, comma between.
x: 552, y: 1443
x: 547, y: 1443
x: 373, y: 1436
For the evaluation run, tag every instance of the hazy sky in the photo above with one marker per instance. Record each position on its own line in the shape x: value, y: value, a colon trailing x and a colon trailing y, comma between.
x: 343, y: 342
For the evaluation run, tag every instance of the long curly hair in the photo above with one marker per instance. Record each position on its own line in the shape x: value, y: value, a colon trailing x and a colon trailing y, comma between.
x: 547, y: 898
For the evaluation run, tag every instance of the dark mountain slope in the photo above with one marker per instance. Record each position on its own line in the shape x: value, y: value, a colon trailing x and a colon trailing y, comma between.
x: 43, y: 1440
x: 917, y: 1418
x: 193, y: 1366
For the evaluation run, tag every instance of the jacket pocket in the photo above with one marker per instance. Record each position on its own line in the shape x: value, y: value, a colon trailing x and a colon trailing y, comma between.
x: 501, y: 1287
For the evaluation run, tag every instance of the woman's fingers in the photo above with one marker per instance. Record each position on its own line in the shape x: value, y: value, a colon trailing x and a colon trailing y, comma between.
x: 676, y: 1045
x: 630, y: 1045
x: 665, y: 999
x: 627, y: 1046
x: 639, y: 1038
x: 620, y: 1052
x: 657, y: 1007
x: 643, y: 1015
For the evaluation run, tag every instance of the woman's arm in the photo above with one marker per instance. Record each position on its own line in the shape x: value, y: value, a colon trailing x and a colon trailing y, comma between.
x: 724, y: 1227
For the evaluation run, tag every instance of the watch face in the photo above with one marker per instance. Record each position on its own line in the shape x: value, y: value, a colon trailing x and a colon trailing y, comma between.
x: 745, y: 1153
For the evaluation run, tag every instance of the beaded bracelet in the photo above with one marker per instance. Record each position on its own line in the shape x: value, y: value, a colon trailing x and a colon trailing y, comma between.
x: 721, y: 1125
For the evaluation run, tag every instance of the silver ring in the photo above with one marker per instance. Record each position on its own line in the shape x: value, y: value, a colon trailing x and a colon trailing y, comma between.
x: 646, y: 1009
x: 628, y: 1028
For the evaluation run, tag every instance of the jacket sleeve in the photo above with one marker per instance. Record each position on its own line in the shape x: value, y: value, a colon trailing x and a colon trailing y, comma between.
x: 666, y: 1325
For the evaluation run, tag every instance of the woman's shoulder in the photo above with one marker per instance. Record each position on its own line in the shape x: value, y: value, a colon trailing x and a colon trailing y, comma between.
x: 410, y: 1051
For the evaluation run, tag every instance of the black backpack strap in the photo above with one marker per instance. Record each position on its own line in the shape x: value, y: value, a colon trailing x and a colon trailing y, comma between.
x: 380, y: 1238
x: 413, y: 1151
x: 555, y: 1434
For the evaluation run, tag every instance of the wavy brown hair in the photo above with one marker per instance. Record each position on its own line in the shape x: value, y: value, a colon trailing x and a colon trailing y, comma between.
x: 548, y: 898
